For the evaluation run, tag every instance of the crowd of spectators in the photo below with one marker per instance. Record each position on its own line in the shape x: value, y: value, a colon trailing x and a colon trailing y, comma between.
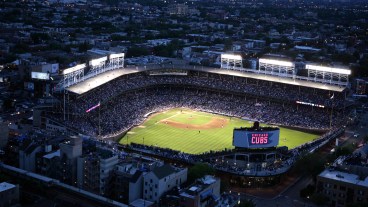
x: 253, y: 87
x: 128, y: 110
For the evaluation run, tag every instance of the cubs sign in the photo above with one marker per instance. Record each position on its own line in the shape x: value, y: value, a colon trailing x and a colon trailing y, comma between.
x: 247, y: 138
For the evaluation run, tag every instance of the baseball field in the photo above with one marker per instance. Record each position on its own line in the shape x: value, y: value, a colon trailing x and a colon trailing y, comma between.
x: 196, y: 132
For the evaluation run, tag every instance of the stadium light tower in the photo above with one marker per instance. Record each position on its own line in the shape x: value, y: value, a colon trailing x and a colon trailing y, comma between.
x: 337, y: 76
x: 276, y: 67
x: 229, y: 61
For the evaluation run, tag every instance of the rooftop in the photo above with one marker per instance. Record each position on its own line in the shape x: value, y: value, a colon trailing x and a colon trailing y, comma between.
x: 163, y: 171
x: 198, y: 187
x: 4, y: 186
x: 344, y: 177
x: 98, y: 80
x: 52, y: 154
x: 141, y: 203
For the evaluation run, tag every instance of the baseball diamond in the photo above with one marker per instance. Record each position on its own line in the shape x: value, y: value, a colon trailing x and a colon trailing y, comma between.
x: 197, y: 132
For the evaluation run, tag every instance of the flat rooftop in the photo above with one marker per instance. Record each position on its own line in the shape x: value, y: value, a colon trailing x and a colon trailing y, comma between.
x: 52, y: 154
x: 141, y: 203
x: 103, y: 78
x: 344, y: 177
x: 4, y: 186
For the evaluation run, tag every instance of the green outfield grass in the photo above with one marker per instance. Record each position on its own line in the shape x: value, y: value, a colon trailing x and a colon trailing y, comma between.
x: 197, y: 132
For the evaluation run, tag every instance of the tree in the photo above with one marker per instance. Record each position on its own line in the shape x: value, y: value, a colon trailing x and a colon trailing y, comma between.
x: 199, y: 170
x: 310, y: 164
x: 169, y: 49
x: 3, y: 178
x: 136, y: 52
x: 84, y: 47
x: 345, y: 150
x: 319, y: 199
x: 307, y: 191
x: 38, y: 38
x: 228, y: 44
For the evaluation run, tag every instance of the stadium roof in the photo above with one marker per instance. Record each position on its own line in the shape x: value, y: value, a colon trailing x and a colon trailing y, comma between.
x: 279, y: 79
x: 103, y: 78
x: 98, y: 80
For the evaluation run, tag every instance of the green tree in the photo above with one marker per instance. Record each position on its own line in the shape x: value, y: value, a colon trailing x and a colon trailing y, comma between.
x: 310, y: 164
x: 344, y: 150
x: 319, y: 199
x: 137, y: 51
x: 20, y: 48
x: 228, y: 44
x: 84, y: 47
x: 38, y: 38
x: 3, y: 178
x: 199, y: 170
x: 307, y: 191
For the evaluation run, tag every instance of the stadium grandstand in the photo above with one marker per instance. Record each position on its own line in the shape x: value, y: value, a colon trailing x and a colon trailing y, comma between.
x: 273, y: 98
x: 106, y: 99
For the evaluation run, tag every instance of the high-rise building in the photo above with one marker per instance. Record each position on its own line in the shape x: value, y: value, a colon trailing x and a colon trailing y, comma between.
x: 95, y: 171
x: 27, y: 156
x: 128, y: 178
x: 361, y: 87
x: 70, y: 150
x: 128, y: 182
x: 4, y: 133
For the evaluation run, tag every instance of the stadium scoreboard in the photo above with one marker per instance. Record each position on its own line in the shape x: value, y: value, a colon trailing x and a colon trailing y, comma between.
x: 256, y: 137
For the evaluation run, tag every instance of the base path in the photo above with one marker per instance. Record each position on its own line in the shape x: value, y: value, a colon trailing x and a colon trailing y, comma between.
x: 212, y: 124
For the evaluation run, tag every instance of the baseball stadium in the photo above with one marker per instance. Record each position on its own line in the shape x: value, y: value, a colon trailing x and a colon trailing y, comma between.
x: 250, y: 123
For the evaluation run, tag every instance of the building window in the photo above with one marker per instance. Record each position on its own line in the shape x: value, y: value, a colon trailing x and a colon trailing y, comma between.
x: 342, y: 188
x: 155, y: 185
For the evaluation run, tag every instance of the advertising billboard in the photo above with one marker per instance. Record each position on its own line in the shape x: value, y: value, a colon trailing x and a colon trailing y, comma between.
x: 40, y: 76
x: 256, y: 139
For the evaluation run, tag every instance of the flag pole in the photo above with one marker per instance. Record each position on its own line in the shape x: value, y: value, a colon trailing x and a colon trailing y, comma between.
x: 332, y: 105
x: 99, y: 119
